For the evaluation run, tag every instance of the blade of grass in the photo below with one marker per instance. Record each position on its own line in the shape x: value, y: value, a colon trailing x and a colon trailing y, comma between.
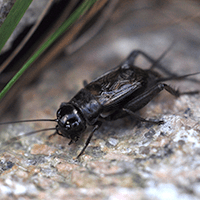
x: 12, y: 20
x: 27, y: 37
x: 74, y: 16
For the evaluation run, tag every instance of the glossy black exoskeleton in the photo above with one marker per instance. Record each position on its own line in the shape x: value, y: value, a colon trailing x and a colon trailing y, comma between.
x: 118, y: 93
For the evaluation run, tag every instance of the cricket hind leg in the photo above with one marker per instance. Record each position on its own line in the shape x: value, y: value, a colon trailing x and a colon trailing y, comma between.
x: 127, y: 112
x: 140, y: 101
x: 136, y: 104
x: 155, y: 62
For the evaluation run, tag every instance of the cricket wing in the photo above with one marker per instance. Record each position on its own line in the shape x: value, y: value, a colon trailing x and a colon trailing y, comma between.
x: 115, y: 85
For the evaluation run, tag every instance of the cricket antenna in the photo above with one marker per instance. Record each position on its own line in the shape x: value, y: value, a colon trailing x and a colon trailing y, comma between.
x: 30, y: 120
x: 175, y: 77
x: 12, y: 140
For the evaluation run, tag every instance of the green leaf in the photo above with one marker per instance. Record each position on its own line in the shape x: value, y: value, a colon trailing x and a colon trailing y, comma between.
x: 73, y: 17
x: 12, y: 20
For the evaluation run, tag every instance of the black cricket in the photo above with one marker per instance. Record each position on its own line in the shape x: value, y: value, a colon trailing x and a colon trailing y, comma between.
x: 116, y: 94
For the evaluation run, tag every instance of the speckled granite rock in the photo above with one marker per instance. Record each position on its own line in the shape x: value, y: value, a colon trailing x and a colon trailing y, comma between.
x: 125, y: 159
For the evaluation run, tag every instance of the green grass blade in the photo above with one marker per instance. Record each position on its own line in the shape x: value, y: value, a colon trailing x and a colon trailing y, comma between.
x: 13, y: 18
x: 75, y: 15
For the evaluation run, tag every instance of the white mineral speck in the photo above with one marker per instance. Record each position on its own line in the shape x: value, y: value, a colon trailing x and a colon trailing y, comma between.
x: 113, y: 141
x: 5, y: 189
x: 166, y: 192
x: 19, y: 189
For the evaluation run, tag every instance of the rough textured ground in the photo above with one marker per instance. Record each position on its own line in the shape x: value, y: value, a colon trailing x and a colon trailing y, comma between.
x: 125, y: 159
